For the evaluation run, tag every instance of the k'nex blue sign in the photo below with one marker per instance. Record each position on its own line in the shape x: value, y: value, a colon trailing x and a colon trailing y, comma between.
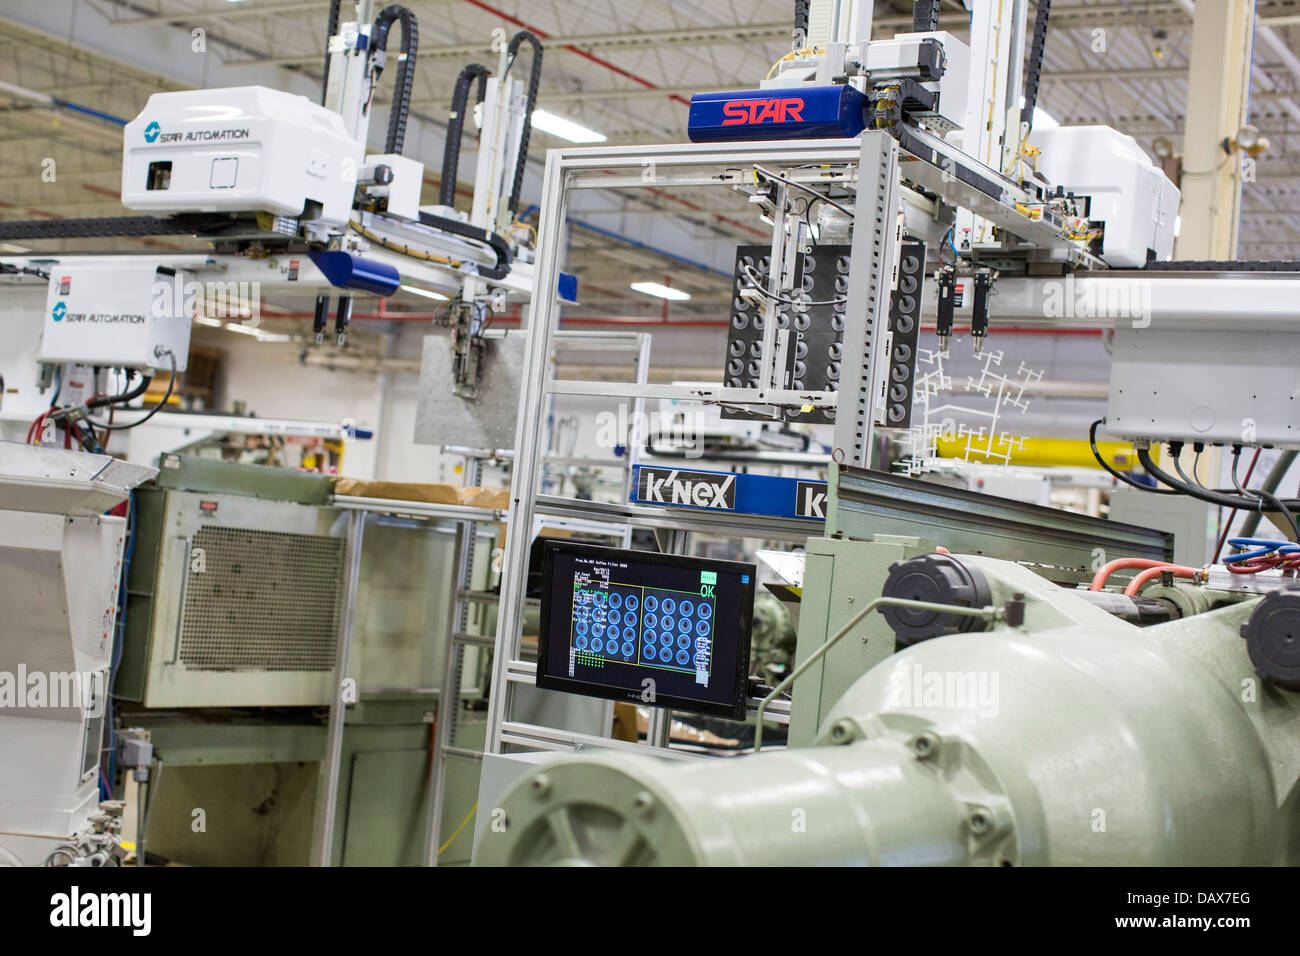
x: 728, y: 491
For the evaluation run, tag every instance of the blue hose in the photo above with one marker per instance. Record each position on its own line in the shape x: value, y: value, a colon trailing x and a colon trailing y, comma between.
x: 1262, y: 547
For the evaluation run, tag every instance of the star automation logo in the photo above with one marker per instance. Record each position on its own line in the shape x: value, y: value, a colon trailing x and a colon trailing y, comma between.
x: 59, y: 311
x: 151, y: 131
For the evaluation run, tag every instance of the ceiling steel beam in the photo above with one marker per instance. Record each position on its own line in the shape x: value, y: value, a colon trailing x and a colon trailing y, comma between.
x: 227, y: 11
x: 695, y: 36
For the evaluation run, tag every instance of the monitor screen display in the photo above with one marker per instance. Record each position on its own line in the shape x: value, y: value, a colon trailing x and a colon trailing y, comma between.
x: 649, y: 628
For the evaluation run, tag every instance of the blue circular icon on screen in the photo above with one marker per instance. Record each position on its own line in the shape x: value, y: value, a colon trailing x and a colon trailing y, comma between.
x: 629, y: 633
x: 598, y: 597
x: 684, y: 625
x: 665, y: 638
x: 686, y: 609
x: 597, y: 629
x: 702, y: 628
x: 580, y: 627
x: 667, y: 623
x: 598, y: 614
x: 651, y: 620
x: 684, y: 642
x: 702, y: 645
x: 597, y: 645
x: 614, y: 617
x: 580, y: 642
x: 628, y: 648
x: 683, y: 658
x: 706, y: 610
x: 649, y: 652
x: 631, y: 602
x: 666, y: 654
x: 669, y: 605
x: 629, y: 619
x: 651, y: 602
x: 615, y: 599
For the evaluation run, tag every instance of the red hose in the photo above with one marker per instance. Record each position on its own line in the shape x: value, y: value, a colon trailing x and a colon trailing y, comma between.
x: 1264, y: 563
x: 1120, y: 564
x: 1140, y: 580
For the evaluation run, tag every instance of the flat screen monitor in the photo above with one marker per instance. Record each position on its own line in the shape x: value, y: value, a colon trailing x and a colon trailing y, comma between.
x: 649, y: 628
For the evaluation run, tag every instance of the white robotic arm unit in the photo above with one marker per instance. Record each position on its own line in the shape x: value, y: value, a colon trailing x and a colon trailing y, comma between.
x: 1127, y: 192
x: 245, y: 149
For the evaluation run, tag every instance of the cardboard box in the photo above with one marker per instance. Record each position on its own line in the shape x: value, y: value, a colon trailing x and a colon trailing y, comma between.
x: 431, y: 492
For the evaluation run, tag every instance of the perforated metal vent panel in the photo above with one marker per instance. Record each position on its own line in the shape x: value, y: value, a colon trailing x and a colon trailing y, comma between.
x: 263, y: 600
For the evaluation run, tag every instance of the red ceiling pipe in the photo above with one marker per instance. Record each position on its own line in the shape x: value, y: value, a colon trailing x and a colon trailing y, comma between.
x: 599, y: 61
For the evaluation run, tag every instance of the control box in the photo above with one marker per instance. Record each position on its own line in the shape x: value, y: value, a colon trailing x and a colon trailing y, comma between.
x: 243, y: 149
x: 111, y: 313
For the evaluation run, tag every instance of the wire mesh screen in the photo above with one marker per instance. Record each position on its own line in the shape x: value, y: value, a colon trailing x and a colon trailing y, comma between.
x: 261, y: 600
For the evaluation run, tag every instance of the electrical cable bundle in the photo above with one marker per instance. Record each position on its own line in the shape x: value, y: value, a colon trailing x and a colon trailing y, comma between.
x: 534, y: 83
x: 1237, y: 497
x: 404, y: 85
x: 456, y: 128
x: 756, y: 283
x: 814, y: 197
x: 1260, y: 554
x: 83, y: 427
x: 1119, y: 476
x: 1243, y: 499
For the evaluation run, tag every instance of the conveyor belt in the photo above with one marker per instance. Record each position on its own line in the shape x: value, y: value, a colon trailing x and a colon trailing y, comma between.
x: 1225, y: 265
x: 99, y: 228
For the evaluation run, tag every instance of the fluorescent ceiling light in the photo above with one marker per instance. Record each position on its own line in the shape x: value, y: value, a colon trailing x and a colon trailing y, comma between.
x: 662, y: 291
x: 245, y: 329
x: 565, y: 129
x: 204, y: 320
x: 427, y: 293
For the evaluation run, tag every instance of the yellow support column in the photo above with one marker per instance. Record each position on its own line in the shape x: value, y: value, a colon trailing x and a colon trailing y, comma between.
x: 1218, y: 90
